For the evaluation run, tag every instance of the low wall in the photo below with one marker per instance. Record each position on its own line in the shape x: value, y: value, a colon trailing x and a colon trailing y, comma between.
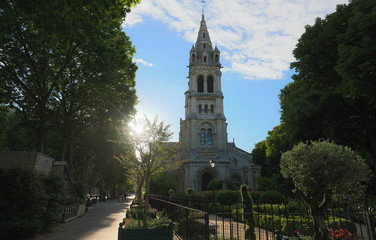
x: 35, y: 161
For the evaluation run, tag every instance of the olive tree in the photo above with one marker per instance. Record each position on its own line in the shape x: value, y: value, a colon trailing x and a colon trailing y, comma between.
x: 322, y: 171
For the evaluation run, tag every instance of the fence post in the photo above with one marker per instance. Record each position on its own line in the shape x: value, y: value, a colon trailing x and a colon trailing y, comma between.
x: 207, y: 225
x: 370, y: 224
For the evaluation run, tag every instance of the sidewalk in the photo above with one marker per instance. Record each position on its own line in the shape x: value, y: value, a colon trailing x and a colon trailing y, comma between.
x: 101, y: 222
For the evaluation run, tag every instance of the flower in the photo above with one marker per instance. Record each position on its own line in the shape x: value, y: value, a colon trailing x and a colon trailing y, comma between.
x: 341, y: 234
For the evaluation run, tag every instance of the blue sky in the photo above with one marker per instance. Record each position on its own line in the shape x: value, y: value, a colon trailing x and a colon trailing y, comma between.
x: 256, y: 39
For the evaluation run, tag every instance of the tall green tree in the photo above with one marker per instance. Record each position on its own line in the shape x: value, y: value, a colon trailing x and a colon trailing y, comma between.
x: 332, y: 95
x: 55, y: 54
x: 320, y: 172
x: 152, y: 153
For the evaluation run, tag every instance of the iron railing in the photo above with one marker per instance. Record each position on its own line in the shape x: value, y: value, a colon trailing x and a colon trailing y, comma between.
x: 291, y: 220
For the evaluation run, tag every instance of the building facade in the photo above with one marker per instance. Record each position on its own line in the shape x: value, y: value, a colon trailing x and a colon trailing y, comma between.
x: 203, y: 132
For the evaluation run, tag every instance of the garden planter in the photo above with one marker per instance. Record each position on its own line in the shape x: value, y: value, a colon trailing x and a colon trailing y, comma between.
x: 163, y: 233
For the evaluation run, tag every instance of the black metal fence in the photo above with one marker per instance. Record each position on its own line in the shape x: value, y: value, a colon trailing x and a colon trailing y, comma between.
x: 206, y: 220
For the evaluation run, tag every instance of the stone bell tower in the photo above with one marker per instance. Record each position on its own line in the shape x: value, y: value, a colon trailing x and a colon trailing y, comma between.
x: 203, y: 133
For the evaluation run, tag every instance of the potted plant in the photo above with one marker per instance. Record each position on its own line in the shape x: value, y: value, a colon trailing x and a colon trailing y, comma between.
x: 158, y: 228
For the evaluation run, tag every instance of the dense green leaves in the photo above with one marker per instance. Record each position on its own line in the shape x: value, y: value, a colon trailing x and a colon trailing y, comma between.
x: 333, y: 92
x: 66, y: 63
x: 322, y: 171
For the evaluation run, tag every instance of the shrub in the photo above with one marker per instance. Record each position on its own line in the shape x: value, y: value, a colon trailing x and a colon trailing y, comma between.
x: 203, y: 195
x: 248, y: 213
x: 57, y: 195
x: 29, y: 202
x: 256, y: 195
x: 189, y: 192
x: 272, y: 197
x: 228, y: 197
x: 230, y: 184
x: 215, y: 184
x: 162, y: 183
x: 171, y: 192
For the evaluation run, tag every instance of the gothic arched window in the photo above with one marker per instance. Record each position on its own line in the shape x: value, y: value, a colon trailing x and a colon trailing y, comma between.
x: 216, y: 58
x: 206, y: 108
x: 205, y: 59
x: 200, y: 84
x: 210, y: 137
x: 193, y: 58
x: 212, y: 108
x: 202, y: 136
x: 210, y: 84
x: 199, y: 108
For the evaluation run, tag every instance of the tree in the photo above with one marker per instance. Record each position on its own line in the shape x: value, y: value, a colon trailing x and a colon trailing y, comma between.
x: 259, y: 155
x: 322, y: 171
x: 151, y: 154
x: 55, y: 54
x: 332, y: 95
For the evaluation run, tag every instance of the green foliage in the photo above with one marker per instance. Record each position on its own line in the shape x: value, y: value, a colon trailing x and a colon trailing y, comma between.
x: 269, y: 184
x: 248, y: 213
x: 161, y: 183
x: 57, y: 195
x: 272, y: 197
x: 227, y: 197
x: 256, y: 195
x: 217, y: 184
x: 203, y: 195
x: 171, y: 192
x: 311, y: 166
x: 320, y: 172
x: 334, y: 64
x: 189, y: 192
x: 30, y: 202
x: 259, y: 155
x: 81, y: 69
x: 138, y: 213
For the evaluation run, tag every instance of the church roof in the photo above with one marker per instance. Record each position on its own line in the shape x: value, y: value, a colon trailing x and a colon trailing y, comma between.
x: 203, y: 41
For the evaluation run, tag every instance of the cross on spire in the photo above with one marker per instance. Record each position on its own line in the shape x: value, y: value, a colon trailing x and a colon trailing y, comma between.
x: 202, y: 1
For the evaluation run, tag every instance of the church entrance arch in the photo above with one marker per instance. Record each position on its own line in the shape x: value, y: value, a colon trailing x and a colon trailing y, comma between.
x: 206, y: 177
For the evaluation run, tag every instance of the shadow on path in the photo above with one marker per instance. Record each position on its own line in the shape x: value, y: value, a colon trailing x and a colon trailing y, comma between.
x: 100, y: 222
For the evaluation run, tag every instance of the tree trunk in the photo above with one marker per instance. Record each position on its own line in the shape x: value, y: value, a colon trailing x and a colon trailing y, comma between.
x: 321, y: 233
x: 62, y: 152
x: 42, y: 128
x: 146, y: 208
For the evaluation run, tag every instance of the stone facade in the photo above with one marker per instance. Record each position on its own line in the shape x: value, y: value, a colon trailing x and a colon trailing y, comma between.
x: 203, y: 133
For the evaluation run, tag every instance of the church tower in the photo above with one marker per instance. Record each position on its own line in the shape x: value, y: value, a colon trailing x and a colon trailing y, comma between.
x: 203, y: 133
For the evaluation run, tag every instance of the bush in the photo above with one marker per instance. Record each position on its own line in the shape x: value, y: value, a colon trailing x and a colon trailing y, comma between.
x: 273, y: 197
x: 162, y: 183
x: 228, y: 197
x: 256, y: 195
x: 189, y: 192
x: 217, y: 184
x: 203, y: 195
x: 29, y: 202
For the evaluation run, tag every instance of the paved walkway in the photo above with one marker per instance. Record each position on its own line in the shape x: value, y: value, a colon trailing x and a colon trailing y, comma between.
x: 101, y: 222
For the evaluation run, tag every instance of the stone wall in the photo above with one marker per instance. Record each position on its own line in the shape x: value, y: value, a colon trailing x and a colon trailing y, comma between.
x: 35, y: 161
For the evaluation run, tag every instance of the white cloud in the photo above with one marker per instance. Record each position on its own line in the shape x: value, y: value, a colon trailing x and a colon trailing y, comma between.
x: 143, y: 62
x: 255, y: 37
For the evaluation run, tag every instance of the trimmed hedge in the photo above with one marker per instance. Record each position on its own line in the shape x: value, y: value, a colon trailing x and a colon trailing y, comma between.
x: 289, y: 225
x: 228, y: 197
x: 272, y: 197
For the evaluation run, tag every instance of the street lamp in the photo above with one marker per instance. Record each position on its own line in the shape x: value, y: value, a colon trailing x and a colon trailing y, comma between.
x: 212, y: 165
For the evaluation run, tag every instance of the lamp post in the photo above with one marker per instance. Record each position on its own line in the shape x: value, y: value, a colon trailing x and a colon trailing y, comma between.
x: 212, y: 165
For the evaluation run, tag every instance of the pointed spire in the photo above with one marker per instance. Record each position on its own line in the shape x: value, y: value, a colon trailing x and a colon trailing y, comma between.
x: 203, y: 34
